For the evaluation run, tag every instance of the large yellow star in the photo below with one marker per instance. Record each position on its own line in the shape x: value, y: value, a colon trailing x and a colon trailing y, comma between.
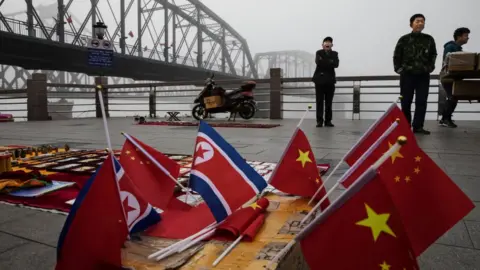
x: 377, y: 223
x: 303, y: 157
x: 385, y: 266
x: 395, y: 155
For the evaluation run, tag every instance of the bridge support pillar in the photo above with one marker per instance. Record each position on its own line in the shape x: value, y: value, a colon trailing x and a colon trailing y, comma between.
x: 103, y: 81
x: 37, y: 103
x: 276, y: 93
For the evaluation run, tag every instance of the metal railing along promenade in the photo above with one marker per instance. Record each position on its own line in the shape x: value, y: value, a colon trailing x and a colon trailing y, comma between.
x: 364, y: 97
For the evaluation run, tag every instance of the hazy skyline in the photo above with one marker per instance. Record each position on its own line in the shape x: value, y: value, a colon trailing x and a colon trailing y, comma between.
x: 364, y: 32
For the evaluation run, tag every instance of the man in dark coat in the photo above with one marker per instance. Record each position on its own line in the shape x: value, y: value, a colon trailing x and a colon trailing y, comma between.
x: 414, y: 59
x: 324, y: 79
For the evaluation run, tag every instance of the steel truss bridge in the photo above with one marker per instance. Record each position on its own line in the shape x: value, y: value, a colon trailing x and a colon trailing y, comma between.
x: 192, y: 41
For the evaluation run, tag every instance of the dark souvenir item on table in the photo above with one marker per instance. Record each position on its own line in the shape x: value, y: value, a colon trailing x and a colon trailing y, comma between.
x: 66, y: 147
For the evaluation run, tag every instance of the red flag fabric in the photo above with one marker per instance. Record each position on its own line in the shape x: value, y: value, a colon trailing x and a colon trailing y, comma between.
x: 156, y: 187
x: 239, y: 221
x: 252, y: 230
x: 95, y: 229
x: 180, y: 223
x: 297, y: 172
x: 365, y: 232
x: 374, y: 133
x: 428, y: 201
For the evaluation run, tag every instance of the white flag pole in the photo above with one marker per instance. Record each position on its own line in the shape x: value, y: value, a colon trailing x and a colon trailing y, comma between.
x: 369, y: 130
x: 225, y: 253
x: 400, y: 141
x: 154, y: 161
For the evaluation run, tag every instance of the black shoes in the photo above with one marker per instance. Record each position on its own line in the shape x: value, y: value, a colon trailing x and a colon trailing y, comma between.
x: 447, y: 123
x: 421, y: 131
x: 328, y: 124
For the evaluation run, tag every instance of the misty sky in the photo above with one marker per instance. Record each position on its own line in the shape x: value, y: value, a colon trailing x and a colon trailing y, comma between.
x: 364, y: 32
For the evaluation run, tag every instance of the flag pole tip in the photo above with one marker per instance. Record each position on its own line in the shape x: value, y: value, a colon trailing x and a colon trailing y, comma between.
x: 123, y: 133
x: 397, y: 120
x: 99, y: 86
x: 107, y: 150
x: 402, y: 140
x: 309, y: 106
x: 400, y: 97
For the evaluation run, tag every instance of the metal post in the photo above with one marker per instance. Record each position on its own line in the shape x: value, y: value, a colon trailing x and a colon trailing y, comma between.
x: 61, y: 22
x: 122, y: 27
x: 356, y: 99
x: 31, y: 30
x: 199, y: 41
x: 139, y: 29
x: 243, y: 63
x: 276, y: 93
x: 165, y: 52
x: 94, y: 16
x: 224, y: 51
x: 174, y: 37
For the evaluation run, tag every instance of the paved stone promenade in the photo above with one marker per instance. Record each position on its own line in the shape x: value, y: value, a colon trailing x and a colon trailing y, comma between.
x: 28, y: 237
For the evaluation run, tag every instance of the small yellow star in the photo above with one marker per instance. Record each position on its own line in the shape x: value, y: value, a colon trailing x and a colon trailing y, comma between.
x: 395, y: 155
x: 127, y: 152
x: 397, y: 179
x: 148, y: 162
x: 376, y: 222
x: 132, y: 158
x: 417, y: 170
x: 303, y: 157
x: 418, y: 158
x: 136, y: 149
x: 407, y: 179
x: 255, y: 206
x: 141, y: 162
x: 385, y: 266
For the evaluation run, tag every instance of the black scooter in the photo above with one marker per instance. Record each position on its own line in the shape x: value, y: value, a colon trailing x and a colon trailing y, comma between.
x: 214, y: 99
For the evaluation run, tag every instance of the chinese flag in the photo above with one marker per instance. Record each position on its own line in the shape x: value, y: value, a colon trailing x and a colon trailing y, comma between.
x: 297, y: 172
x: 156, y: 187
x: 364, y: 232
x: 428, y: 201
x: 374, y: 133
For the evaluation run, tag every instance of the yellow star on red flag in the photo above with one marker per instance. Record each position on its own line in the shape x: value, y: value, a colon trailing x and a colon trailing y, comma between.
x: 303, y: 157
x: 376, y: 222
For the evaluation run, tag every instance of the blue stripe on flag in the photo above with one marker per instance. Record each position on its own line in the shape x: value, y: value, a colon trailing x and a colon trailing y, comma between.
x: 213, y: 202
x: 236, y: 158
x: 152, y: 218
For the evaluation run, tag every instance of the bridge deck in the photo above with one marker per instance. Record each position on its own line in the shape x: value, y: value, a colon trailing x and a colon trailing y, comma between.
x: 28, y: 238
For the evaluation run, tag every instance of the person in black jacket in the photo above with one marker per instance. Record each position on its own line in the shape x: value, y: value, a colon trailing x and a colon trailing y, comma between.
x: 324, y: 79
x: 414, y: 59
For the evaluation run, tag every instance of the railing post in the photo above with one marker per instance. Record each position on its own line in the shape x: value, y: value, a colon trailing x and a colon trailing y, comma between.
x: 37, y: 101
x: 276, y: 93
x: 103, y: 81
x: 152, y: 99
x: 356, y: 100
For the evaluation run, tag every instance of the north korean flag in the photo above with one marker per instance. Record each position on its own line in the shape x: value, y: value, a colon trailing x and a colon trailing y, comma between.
x: 221, y: 175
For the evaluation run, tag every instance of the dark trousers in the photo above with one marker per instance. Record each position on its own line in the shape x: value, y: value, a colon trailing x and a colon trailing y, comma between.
x: 418, y: 84
x: 324, y: 93
x: 451, y: 102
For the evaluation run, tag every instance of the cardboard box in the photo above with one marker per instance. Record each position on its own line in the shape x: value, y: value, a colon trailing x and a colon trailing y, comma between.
x: 213, y: 102
x: 281, y: 225
x: 461, y: 61
x: 466, y: 89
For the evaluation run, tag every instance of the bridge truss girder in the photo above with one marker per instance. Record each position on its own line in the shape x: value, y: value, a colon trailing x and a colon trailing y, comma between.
x: 213, y: 44
x: 293, y: 63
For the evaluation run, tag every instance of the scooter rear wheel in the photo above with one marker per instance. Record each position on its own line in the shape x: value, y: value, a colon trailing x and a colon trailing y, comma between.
x: 246, y: 110
x: 199, y: 112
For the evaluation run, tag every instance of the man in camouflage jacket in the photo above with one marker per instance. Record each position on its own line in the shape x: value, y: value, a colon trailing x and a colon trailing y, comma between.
x: 414, y: 59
